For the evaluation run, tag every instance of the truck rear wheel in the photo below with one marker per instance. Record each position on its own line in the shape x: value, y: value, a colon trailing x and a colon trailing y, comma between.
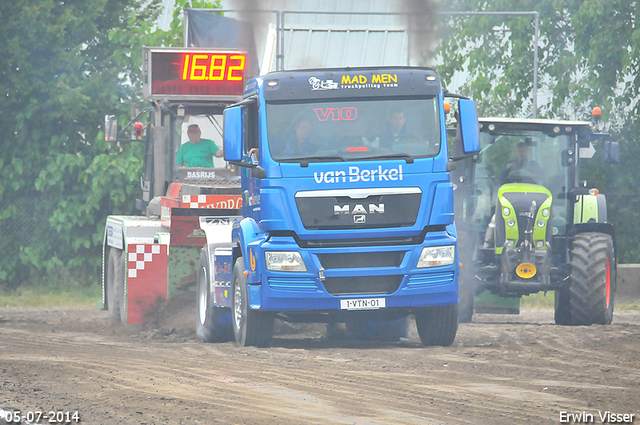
x: 250, y: 327
x: 562, y: 307
x: 437, y: 325
x: 115, y: 286
x: 592, y: 279
x: 213, y: 324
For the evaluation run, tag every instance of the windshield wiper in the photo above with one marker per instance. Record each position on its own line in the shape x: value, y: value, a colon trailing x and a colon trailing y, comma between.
x: 304, y: 161
x: 404, y: 156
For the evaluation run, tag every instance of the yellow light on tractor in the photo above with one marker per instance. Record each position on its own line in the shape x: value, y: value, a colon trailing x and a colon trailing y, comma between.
x: 526, y: 270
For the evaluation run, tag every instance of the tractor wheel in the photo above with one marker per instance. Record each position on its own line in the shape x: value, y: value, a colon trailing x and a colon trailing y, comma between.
x: 250, y: 327
x: 213, y: 324
x: 562, y: 311
x: 592, y: 279
x: 437, y: 325
x: 115, y: 286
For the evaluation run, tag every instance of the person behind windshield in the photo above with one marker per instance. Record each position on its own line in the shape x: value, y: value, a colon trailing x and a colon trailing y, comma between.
x: 197, y: 152
x: 531, y: 169
x: 298, y: 144
x: 395, y: 128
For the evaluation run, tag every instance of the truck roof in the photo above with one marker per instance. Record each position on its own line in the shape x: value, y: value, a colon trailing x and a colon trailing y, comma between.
x: 359, y: 82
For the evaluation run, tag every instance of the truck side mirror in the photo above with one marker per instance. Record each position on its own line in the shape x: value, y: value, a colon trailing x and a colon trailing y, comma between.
x: 233, y: 134
x: 468, y: 122
x: 611, y: 152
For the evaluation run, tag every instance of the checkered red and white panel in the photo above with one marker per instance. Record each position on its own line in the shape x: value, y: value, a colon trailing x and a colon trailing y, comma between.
x: 146, y: 281
x: 194, y: 201
x: 211, y: 201
x: 141, y: 257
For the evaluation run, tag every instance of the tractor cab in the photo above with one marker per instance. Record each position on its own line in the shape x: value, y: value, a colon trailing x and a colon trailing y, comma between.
x: 521, y: 205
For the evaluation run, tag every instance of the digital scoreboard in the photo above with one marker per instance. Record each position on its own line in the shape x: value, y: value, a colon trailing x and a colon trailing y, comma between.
x: 193, y: 73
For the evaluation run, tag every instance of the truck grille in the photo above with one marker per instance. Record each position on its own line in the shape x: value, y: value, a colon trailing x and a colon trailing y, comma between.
x: 361, y: 259
x: 362, y: 285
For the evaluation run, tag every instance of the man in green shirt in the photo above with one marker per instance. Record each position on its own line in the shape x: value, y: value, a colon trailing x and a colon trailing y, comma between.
x: 197, y: 152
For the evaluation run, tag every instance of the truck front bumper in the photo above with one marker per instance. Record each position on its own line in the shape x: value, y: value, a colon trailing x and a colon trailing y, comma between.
x: 335, y: 274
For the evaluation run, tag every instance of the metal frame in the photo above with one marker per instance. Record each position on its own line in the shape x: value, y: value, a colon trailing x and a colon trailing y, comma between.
x: 280, y: 30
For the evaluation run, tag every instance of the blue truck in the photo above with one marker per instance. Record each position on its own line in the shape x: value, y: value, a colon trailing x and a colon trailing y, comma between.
x: 347, y: 206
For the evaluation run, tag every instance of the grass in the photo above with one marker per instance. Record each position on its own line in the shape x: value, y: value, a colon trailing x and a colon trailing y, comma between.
x: 539, y: 300
x: 63, y: 296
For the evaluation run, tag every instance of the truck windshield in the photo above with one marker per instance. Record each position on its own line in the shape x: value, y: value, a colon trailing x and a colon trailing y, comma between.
x: 353, y: 130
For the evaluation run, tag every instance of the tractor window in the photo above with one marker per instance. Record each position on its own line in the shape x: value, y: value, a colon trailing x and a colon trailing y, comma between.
x: 521, y: 157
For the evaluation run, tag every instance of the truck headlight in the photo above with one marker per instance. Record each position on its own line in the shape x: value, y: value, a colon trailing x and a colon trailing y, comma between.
x: 285, y: 261
x: 437, y: 256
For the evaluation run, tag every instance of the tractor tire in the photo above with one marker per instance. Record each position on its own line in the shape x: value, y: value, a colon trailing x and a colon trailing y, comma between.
x: 593, y: 279
x: 250, y: 327
x: 562, y: 307
x: 115, y: 286
x: 213, y: 324
x: 437, y: 325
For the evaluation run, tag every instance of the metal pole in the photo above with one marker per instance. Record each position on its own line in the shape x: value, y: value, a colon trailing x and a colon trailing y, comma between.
x: 535, y: 66
x: 158, y: 153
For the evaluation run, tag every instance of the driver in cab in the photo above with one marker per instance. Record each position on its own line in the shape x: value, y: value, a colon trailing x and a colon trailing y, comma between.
x: 395, y: 129
x: 521, y: 168
x: 197, y: 152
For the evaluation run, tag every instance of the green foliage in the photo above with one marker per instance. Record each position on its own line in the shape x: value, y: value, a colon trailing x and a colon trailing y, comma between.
x: 589, y: 54
x: 65, y: 65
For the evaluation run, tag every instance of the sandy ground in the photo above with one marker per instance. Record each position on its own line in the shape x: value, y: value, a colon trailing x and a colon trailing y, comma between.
x: 500, y: 370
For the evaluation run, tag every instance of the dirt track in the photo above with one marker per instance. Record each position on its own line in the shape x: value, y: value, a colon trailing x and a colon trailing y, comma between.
x: 500, y: 370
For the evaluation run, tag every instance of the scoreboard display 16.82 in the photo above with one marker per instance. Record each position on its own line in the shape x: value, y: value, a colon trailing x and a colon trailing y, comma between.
x: 193, y: 73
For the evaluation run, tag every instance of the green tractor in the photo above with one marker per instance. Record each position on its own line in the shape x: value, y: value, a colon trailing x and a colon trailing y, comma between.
x: 527, y: 222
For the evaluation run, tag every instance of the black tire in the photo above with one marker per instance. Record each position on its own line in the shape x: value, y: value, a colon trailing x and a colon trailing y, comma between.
x: 250, y: 327
x: 437, y: 325
x: 562, y: 307
x: 593, y: 279
x: 115, y: 286
x: 213, y: 324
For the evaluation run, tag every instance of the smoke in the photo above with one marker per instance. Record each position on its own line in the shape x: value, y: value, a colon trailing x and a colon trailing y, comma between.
x: 249, y: 11
x: 421, y: 28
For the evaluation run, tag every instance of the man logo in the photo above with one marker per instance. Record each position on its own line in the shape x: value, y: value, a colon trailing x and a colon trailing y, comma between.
x: 359, y: 219
x: 358, y: 209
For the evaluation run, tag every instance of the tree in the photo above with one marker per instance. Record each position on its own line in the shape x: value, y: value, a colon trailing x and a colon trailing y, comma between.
x: 66, y: 64
x: 589, y: 53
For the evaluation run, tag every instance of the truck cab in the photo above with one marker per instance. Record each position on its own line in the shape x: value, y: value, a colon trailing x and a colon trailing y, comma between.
x: 344, y: 218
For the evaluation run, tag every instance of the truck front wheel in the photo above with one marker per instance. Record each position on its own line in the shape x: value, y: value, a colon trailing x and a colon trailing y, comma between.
x: 592, y: 279
x: 437, y: 325
x: 115, y: 286
x: 213, y: 324
x: 250, y: 327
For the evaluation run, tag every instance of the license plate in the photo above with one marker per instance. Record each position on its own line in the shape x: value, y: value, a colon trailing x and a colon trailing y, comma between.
x: 363, y: 304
